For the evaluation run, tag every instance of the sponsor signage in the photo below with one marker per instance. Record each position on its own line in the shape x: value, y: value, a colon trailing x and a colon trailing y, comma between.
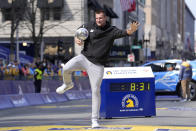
x: 131, y: 57
x: 128, y: 72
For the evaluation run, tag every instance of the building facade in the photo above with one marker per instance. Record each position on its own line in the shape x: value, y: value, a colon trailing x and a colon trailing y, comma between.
x: 189, y: 26
x: 59, y: 19
x: 164, y: 28
x: 129, y: 45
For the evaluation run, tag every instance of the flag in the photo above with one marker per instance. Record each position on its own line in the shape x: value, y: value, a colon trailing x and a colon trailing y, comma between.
x: 129, y: 5
x: 125, y: 4
x: 132, y: 6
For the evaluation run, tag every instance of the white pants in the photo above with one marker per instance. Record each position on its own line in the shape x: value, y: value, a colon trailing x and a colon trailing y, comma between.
x: 95, y: 73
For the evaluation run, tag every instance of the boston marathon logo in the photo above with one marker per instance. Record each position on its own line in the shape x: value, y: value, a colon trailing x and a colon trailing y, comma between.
x: 109, y: 73
x: 130, y: 103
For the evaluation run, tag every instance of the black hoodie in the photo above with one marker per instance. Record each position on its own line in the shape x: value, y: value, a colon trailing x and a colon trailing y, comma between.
x: 99, y: 42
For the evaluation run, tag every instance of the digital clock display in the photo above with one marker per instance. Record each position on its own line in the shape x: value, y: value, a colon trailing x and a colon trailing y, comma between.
x: 133, y: 86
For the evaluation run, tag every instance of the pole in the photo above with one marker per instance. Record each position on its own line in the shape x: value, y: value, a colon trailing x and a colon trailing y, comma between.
x: 17, y: 46
x: 42, y: 50
x: 146, y: 52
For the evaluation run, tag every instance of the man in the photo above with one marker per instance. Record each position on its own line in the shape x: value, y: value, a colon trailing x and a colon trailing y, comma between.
x: 185, y: 77
x: 93, y: 57
x: 38, y: 77
x: 1, y: 70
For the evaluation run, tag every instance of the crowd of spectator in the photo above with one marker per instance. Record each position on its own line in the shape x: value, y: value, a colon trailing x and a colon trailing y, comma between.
x: 16, y: 71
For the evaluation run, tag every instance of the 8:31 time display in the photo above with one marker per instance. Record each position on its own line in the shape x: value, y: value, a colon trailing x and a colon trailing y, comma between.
x: 133, y: 86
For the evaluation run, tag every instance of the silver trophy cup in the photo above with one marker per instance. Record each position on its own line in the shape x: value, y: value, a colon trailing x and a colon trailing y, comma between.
x: 82, y: 34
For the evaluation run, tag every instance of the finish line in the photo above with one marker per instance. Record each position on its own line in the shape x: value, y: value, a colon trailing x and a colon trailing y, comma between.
x: 103, y: 128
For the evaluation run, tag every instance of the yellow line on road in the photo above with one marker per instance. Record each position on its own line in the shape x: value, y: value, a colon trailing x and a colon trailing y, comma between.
x: 79, y: 106
x: 103, y: 128
x: 161, y: 108
x: 45, y: 107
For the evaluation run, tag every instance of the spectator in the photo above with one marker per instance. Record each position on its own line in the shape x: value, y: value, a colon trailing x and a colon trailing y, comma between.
x: 84, y: 73
x: 25, y: 71
x: 48, y: 70
x: 31, y: 70
x: 185, y: 77
x: 15, y: 70
x: 60, y: 71
x: 1, y: 70
x: 38, y: 77
x: 8, y: 72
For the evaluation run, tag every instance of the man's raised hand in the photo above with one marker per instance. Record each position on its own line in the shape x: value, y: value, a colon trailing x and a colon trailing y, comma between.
x: 133, y: 27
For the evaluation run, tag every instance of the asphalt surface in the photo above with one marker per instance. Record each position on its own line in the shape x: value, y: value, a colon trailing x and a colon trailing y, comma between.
x: 171, y: 115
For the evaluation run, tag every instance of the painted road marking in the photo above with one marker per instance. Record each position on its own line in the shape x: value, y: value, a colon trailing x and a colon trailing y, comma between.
x: 103, y: 128
x: 162, y: 108
x: 62, y: 106
x: 79, y: 106
x: 172, y: 130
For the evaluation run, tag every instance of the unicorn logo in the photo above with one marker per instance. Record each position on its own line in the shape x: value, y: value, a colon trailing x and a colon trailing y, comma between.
x: 130, y: 101
x: 109, y: 73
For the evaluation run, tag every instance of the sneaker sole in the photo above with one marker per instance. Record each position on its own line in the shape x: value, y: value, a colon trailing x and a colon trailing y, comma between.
x: 96, y: 127
x: 68, y: 88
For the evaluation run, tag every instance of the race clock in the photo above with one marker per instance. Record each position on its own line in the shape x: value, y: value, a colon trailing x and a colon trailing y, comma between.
x: 132, y: 86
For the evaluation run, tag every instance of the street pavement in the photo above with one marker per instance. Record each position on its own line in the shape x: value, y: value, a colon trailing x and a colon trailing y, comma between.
x: 171, y: 115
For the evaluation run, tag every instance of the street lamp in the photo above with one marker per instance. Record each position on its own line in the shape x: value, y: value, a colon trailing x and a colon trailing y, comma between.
x: 179, y: 45
x: 172, y: 48
x: 24, y: 43
x: 162, y: 45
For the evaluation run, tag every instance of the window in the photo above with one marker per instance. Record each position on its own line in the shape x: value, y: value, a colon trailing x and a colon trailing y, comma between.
x: 142, y: 1
x: 57, y: 14
x: 91, y: 15
x: 51, y: 13
x: 17, y: 14
x: 45, y: 13
x: 170, y: 66
x: 6, y: 14
x: 157, y: 67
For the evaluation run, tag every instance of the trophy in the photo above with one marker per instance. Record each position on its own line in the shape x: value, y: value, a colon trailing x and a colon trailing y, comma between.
x: 82, y: 34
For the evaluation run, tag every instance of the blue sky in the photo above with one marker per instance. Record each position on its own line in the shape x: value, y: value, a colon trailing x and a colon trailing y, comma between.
x: 191, y: 4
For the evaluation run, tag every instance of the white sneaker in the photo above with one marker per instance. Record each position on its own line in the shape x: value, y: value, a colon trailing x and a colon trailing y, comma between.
x: 62, y: 65
x: 95, y: 124
x: 62, y: 89
x: 189, y: 99
x: 183, y: 100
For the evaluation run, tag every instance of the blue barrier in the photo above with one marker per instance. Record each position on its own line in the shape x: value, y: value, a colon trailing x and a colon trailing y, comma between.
x: 22, y: 87
x: 15, y: 87
x: 34, y: 98
x: 10, y: 101
x: 21, y: 93
x: 75, y: 95
x: 48, y: 98
x: 87, y: 94
x: 60, y: 98
x: 18, y: 100
x: 7, y: 87
x: 5, y: 102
